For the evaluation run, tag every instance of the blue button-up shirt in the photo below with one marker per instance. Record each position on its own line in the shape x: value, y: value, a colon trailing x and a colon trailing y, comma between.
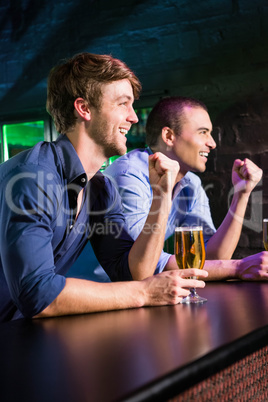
x: 39, y: 236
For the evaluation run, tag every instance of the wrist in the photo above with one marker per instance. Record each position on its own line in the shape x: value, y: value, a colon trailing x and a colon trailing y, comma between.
x: 241, y: 195
x: 161, y: 200
x: 140, y: 293
x: 239, y: 204
x: 222, y: 269
x: 159, y: 192
x: 236, y: 272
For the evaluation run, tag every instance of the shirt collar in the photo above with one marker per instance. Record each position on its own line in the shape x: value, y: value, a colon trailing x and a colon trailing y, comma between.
x: 148, y: 149
x: 72, y: 166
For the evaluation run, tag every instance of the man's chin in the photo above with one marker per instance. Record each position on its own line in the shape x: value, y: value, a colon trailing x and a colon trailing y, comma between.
x: 118, y: 151
x: 123, y: 151
x: 200, y: 169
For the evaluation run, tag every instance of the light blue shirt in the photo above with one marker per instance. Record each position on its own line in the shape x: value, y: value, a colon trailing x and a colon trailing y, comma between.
x: 190, y: 205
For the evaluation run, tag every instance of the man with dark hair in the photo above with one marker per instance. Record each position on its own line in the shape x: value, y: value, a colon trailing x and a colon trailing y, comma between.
x: 53, y: 199
x: 180, y: 128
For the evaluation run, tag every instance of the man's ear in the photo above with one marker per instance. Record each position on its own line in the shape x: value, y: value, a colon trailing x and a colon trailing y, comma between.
x: 82, y: 109
x: 168, y: 136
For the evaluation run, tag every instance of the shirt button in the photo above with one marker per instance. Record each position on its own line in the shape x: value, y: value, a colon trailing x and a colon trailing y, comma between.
x: 71, y: 226
x: 83, y: 180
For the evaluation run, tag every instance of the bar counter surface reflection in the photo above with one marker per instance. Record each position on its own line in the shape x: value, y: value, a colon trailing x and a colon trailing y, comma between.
x: 146, y: 354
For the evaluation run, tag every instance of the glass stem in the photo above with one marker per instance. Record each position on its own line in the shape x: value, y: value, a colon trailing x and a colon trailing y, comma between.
x: 193, y: 292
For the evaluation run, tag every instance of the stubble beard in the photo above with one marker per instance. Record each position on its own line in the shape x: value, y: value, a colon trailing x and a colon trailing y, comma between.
x: 114, y: 150
x: 110, y: 147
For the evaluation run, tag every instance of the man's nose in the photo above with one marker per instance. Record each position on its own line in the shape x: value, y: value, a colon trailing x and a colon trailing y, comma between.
x: 133, y: 118
x: 211, y: 143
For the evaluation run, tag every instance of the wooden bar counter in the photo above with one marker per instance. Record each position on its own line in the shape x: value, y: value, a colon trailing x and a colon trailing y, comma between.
x: 146, y: 354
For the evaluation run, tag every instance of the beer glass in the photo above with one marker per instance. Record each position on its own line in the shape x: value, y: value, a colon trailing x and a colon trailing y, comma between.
x: 265, y: 233
x: 190, y: 253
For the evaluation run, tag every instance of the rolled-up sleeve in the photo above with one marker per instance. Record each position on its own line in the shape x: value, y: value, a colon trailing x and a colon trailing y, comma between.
x: 25, y: 235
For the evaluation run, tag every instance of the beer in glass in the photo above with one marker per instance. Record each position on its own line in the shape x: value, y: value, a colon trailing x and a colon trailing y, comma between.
x: 190, y: 253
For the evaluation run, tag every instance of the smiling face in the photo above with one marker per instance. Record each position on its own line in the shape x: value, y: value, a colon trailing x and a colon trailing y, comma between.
x: 110, y: 123
x: 192, y: 145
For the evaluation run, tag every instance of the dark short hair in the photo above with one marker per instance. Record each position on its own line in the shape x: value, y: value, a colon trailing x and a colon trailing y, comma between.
x: 168, y: 112
x: 83, y: 76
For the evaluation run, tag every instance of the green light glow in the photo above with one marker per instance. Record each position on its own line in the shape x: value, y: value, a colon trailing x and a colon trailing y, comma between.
x: 24, y: 134
x: 20, y: 136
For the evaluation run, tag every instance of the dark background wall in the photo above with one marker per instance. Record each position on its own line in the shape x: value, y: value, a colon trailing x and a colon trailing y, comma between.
x: 216, y: 51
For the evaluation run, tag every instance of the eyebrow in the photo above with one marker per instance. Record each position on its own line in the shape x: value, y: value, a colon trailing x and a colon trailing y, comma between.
x: 125, y: 97
x: 203, y: 128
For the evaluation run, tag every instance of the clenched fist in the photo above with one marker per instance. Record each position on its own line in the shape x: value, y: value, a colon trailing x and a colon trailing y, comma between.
x: 163, y: 172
